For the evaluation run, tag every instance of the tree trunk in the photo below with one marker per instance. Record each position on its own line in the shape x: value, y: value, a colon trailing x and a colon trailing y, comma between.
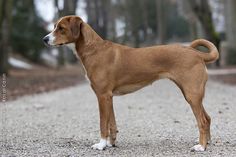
x: 69, y: 7
x: 5, y: 35
x: 97, y: 17
x: 89, y: 10
x: 193, y: 29
x: 105, y: 4
x: 202, y: 10
x: 161, y: 21
x: 112, y: 20
x: 145, y: 19
x: 230, y: 20
x: 125, y: 38
x: 1, y: 11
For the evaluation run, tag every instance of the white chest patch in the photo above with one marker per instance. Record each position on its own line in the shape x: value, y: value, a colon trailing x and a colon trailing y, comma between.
x: 72, y: 47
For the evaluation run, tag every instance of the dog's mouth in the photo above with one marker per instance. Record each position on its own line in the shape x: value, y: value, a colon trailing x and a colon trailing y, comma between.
x: 47, y: 42
x: 57, y: 45
x: 64, y: 44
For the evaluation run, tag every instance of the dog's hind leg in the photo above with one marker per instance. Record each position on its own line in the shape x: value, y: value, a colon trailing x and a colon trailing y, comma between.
x: 203, y: 120
x: 209, y: 131
x: 193, y: 89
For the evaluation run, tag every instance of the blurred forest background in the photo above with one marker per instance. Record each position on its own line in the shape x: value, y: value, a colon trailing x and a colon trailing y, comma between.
x: 137, y: 23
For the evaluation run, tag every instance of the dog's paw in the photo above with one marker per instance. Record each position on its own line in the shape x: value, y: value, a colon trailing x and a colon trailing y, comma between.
x: 109, y: 143
x: 101, y: 145
x: 198, y: 148
x: 98, y: 146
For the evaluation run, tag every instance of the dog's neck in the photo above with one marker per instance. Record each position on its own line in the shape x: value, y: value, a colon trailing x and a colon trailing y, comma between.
x: 86, y: 44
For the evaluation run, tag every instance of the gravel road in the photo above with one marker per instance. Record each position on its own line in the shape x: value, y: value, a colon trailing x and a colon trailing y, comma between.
x: 155, y: 121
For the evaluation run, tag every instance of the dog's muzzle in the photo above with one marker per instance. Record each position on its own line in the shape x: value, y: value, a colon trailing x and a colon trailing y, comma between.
x: 49, y: 40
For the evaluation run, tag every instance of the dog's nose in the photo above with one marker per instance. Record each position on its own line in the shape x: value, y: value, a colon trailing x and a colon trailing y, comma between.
x: 46, y: 39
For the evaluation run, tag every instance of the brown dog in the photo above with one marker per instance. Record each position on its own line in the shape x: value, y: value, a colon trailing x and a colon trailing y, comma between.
x: 114, y: 69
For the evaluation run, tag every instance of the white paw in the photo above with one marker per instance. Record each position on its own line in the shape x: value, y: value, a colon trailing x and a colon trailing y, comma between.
x: 109, y: 143
x: 198, y: 148
x: 101, y: 145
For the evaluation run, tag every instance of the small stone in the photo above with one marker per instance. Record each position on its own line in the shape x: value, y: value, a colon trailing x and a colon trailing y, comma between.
x: 224, y: 103
x: 39, y: 106
x: 176, y: 121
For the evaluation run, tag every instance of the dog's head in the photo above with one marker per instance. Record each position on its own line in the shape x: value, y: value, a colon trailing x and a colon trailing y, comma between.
x: 66, y: 30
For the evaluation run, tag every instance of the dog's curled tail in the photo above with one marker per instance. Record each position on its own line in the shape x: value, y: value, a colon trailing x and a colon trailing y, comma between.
x: 213, y: 54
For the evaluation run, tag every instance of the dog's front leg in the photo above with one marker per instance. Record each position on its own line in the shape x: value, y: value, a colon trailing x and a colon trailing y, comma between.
x: 112, y: 128
x: 105, y: 104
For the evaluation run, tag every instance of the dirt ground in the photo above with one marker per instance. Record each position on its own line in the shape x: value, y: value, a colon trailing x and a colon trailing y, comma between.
x: 154, y: 121
x: 227, y: 79
x: 41, y: 79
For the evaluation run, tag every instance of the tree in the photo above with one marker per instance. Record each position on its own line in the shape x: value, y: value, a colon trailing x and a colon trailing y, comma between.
x: 145, y: 21
x: 187, y: 13
x: 134, y: 13
x: 135, y: 18
x: 98, y: 15
x: 27, y: 30
x: 230, y: 18
x: 139, y: 19
x: 202, y: 11
x: 69, y: 7
x: 5, y: 26
x: 161, y: 21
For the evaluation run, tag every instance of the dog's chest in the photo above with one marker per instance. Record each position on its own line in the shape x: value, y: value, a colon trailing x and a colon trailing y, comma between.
x: 72, y: 47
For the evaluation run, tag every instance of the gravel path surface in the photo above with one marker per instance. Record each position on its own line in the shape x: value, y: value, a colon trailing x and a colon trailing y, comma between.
x: 155, y: 121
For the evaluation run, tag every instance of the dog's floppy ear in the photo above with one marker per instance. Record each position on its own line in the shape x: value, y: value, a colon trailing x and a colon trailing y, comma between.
x: 75, y: 25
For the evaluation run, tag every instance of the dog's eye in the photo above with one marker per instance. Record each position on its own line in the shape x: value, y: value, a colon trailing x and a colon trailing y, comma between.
x: 60, y: 28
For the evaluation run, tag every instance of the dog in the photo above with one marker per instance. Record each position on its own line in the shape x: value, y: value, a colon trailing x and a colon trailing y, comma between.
x: 115, y: 69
